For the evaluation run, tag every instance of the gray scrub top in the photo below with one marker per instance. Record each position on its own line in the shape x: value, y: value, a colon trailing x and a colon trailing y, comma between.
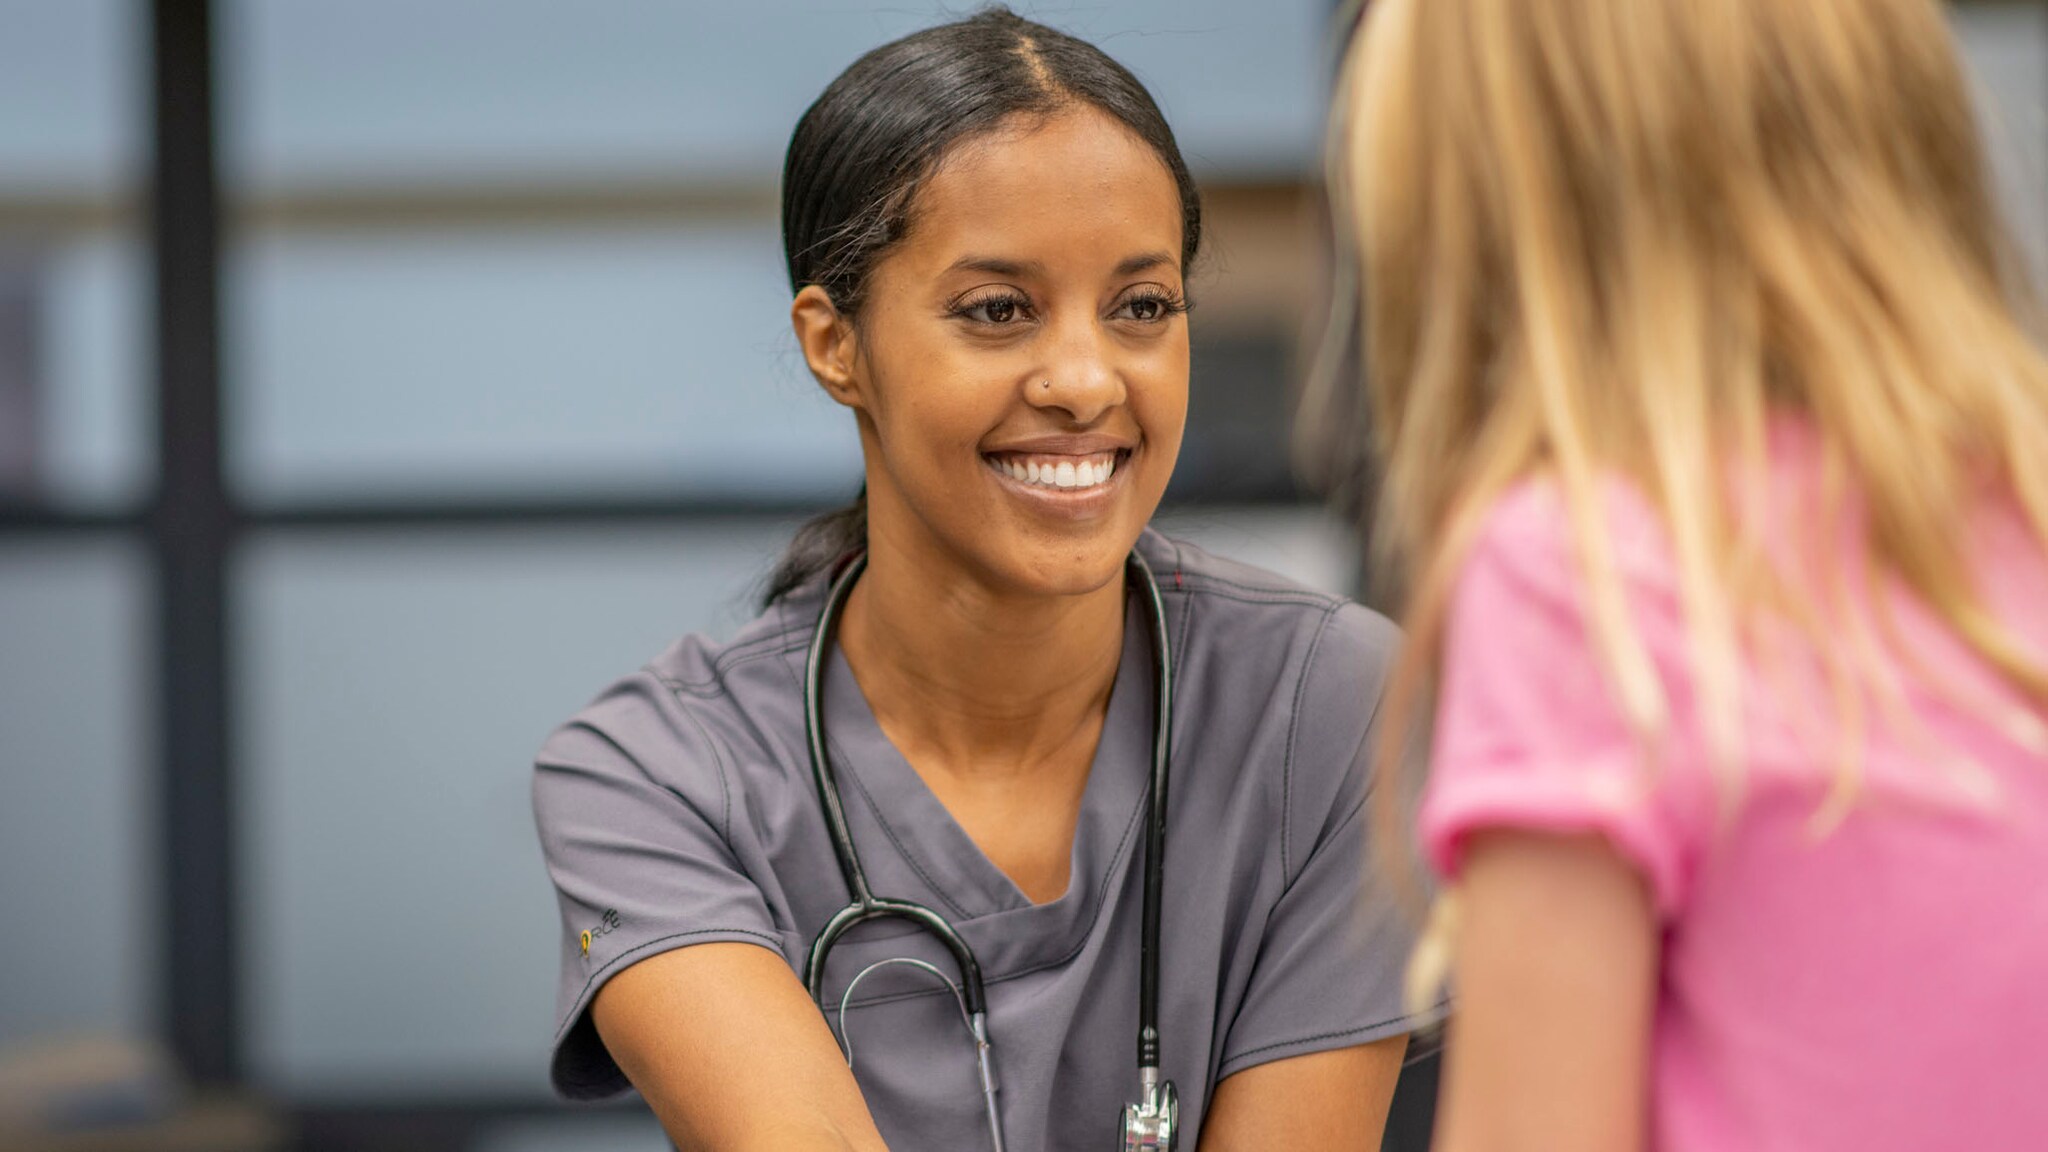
x: 679, y: 809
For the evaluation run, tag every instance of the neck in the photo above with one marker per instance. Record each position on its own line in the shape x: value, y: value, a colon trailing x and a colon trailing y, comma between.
x: 975, y: 680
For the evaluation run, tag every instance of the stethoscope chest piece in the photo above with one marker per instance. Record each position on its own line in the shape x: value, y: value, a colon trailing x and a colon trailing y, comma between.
x: 1154, y: 1124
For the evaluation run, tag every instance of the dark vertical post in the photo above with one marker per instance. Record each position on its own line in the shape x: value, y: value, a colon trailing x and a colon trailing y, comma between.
x: 190, y: 530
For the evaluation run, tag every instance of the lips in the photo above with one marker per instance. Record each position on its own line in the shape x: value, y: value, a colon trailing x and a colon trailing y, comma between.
x: 1062, y: 465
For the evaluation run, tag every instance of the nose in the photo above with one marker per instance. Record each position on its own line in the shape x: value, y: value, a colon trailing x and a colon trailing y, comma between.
x: 1081, y: 378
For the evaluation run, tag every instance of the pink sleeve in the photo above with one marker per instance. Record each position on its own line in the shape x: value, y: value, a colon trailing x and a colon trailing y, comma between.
x: 1528, y: 735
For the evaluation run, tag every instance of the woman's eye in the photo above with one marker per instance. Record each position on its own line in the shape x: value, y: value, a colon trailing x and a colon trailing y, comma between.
x: 997, y: 310
x: 1148, y: 309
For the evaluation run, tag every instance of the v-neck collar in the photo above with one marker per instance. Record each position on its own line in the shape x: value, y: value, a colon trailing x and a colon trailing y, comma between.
x: 917, y: 829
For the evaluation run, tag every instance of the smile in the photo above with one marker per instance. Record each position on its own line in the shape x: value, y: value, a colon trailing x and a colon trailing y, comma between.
x: 1064, y: 473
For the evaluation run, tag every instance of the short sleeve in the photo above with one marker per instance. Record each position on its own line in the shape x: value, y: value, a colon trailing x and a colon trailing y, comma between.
x: 634, y: 810
x: 1528, y: 732
x: 1336, y: 943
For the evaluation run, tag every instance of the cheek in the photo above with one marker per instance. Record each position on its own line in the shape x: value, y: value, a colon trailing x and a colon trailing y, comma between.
x: 942, y: 429
x: 932, y: 410
x: 1161, y: 401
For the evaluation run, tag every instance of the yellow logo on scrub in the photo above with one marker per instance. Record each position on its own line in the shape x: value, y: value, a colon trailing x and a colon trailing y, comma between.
x: 607, y: 924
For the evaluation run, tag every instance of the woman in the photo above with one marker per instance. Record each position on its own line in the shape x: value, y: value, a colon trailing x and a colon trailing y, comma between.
x: 1717, y: 464
x: 987, y: 226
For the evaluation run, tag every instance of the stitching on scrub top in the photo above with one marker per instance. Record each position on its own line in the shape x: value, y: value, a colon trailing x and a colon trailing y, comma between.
x: 724, y: 666
x: 738, y: 653
x: 744, y: 651
x: 718, y: 763
x: 787, y: 639
x: 1209, y: 582
x: 1350, y: 815
x: 1187, y: 613
x: 624, y: 756
x: 615, y: 961
x: 1252, y: 596
x: 1372, y: 778
x: 1277, y: 594
x: 908, y: 856
x: 1116, y: 860
x: 1287, y: 759
x: 1401, y: 1019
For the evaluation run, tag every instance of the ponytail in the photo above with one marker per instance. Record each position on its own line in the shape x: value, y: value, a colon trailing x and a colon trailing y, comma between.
x: 818, y: 545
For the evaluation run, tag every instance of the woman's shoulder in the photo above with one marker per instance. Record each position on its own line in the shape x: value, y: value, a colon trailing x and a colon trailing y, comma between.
x: 756, y: 661
x: 1266, y: 622
x: 1285, y: 680
x: 688, y: 716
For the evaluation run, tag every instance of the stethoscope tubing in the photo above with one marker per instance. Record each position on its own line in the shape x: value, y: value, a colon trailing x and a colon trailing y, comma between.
x: 1155, y: 821
x: 865, y: 906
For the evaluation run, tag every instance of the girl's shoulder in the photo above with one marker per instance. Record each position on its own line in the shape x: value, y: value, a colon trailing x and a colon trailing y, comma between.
x: 1528, y: 531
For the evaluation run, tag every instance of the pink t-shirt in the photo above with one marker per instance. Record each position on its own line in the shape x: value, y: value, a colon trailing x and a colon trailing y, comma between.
x: 1882, y: 987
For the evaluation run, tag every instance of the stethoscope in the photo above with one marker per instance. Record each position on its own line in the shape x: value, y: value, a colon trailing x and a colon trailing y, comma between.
x: 1150, y: 1125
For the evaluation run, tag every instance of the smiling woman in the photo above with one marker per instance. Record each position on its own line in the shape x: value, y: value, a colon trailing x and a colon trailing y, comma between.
x: 893, y: 132
x: 1033, y: 319
x: 965, y: 696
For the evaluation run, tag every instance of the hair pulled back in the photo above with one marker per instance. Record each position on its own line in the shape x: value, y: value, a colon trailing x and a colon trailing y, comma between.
x: 861, y: 151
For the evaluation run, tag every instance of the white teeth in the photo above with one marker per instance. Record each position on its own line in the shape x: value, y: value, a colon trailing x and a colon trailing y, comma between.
x: 1065, y: 474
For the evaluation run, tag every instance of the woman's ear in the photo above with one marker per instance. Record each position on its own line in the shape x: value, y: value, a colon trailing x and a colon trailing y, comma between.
x: 829, y: 345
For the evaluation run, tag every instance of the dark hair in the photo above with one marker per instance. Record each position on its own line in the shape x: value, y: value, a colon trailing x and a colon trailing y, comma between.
x: 864, y: 147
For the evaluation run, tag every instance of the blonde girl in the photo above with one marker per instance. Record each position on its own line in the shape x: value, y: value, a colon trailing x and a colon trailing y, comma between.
x: 1716, y: 478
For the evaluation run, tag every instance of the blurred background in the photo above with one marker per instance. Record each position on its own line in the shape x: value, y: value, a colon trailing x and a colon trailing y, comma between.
x: 378, y: 378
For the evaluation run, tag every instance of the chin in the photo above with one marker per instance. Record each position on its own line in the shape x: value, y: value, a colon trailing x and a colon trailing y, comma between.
x: 1070, y: 567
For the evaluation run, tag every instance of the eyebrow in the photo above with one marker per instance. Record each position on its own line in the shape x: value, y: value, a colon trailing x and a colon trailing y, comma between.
x: 1144, y: 260
x: 998, y: 266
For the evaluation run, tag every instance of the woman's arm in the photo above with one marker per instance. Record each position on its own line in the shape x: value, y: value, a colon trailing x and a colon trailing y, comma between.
x: 1326, y: 1100
x: 732, y: 1054
x: 1556, y: 976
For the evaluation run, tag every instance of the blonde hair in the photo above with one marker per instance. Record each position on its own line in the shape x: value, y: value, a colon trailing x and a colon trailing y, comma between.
x: 1613, y: 239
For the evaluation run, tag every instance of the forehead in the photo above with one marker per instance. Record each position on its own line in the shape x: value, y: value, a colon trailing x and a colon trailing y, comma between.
x: 1076, y: 182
